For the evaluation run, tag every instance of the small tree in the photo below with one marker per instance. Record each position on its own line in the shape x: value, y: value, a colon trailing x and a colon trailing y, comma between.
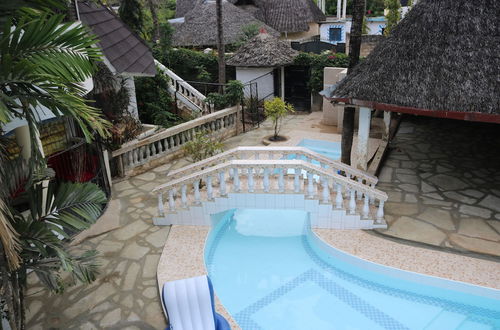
x: 277, y: 109
x: 202, y: 146
x: 130, y: 12
x: 393, y: 15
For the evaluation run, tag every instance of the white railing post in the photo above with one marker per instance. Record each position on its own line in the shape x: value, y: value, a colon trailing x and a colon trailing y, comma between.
x: 281, y: 180
x: 310, y: 185
x: 296, y: 182
x: 222, y: 184
x: 326, y: 190
x: 339, y: 199
x: 171, y: 200
x: 236, y: 180
x: 161, y: 209
x: 266, y: 180
x: 196, y: 186
x: 352, y: 202
x: 183, y: 195
x: 380, y: 211
x: 366, y: 207
x: 251, y: 183
x: 359, y: 193
x: 210, y: 193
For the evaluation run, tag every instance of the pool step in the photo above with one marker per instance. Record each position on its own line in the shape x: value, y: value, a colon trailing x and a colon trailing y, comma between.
x: 446, y: 320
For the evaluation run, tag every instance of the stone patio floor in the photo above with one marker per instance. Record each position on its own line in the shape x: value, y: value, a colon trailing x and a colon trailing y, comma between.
x: 433, y: 182
x: 443, y: 181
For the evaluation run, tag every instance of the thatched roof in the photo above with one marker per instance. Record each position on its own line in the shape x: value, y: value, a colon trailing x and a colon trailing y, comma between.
x: 441, y: 60
x: 263, y: 50
x: 200, y: 27
x: 289, y: 15
x: 282, y: 15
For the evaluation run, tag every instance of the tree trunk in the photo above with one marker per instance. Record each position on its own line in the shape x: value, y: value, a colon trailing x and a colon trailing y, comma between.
x: 220, y: 43
x: 156, y: 24
x: 354, y: 51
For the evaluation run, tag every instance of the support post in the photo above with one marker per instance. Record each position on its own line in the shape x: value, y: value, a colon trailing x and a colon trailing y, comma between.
x: 387, y: 125
x: 282, y: 76
x: 363, y: 136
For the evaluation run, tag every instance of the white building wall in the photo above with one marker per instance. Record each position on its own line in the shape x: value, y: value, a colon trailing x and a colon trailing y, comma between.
x: 375, y: 26
x: 262, y: 76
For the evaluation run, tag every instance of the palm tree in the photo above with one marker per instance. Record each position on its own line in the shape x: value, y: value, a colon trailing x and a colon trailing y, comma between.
x: 220, y: 43
x: 354, y: 51
x: 156, y: 25
x: 42, y: 62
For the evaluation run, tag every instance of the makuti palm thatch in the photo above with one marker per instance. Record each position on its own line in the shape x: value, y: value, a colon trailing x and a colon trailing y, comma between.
x: 443, y: 57
x: 289, y: 16
x: 263, y: 50
x: 200, y: 27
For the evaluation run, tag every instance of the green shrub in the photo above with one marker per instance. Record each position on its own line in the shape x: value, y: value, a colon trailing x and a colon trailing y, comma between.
x: 202, y: 146
x: 277, y: 109
x: 233, y: 95
x: 154, y: 102
x: 317, y: 62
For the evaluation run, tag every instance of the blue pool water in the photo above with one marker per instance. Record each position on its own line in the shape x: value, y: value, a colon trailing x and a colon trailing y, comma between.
x: 271, y: 272
x: 328, y: 149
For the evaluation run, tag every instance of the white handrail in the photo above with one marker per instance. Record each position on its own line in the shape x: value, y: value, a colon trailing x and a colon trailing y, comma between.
x: 277, y: 153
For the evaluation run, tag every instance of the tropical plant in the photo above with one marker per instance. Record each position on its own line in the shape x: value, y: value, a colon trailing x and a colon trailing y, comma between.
x: 393, y: 15
x: 247, y: 32
x: 233, y: 95
x: 130, y: 12
x: 277, y: 109
x: 42, y: 63
x: 202, y: 146
x: 44, y: 234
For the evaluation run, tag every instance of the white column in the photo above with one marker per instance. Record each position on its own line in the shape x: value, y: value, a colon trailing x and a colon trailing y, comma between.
x: 266, y: 180
x: 282, y: 74
x: 161, y: 209
x: 380, y: 211
x: 339, y: 199
x: 363, y: 135
x: 339, y: 9
x: 344, y: 10
x: 387, y: 125
x: 296, y: 182
x: 366, y: 207
x: 251, y: 184
x: 183, y: 195
x: 236, y: 180
x: 222, y: 184
x: 210, y: 193
x: 326, y: 190
x: 310, y: 186
x: 352, y: 202
x: 196, y: 187
x: 281, y: 180
x: 171, y: 200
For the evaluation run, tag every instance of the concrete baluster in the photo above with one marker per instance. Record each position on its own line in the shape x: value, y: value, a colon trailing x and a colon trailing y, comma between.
x: 380, y: 211
x: 359, y: 193
x: 236, y: 180
x: 266, y: 180
x: 210, y: 193
x: 183, y: 195
x: 310, y: 185
x: 222, y: 184
x: 281, y: 180
x: 366, y: 208
x: 196, y: 187
x: 161, y: 209
x: 296, y: 180
x: 251, y: 183
x: 352, y: 202
x: 339, y: 199
x: 171, y: 200
x: 326, y: 190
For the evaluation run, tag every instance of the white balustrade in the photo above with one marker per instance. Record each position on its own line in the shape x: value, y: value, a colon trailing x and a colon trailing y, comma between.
x: 326, y: 190
x: 266, y: 180
x: 251, y: 183
x: 310, y: 185
x: 196, y: 187
x: 222, y: 184
x: 236, y: 180
x: 281, y: 180
x: 296, y: 180
x: 210, y: 191
x: 183, y: 195
x: 339, y: 200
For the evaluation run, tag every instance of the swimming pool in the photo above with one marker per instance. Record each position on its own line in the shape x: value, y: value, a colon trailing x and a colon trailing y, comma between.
x: 271, y: 272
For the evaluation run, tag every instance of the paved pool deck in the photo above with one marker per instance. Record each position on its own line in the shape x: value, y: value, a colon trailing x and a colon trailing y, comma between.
x: 443, y: 182
x: 125, y: 295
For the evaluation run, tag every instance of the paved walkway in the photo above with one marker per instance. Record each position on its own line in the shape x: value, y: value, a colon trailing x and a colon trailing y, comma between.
x: 443, y: 181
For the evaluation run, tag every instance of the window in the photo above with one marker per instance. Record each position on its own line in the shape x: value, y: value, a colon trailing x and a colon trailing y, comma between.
x: 335, y: 34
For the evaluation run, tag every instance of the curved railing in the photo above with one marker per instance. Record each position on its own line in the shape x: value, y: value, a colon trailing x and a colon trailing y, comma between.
x: 271, y: 176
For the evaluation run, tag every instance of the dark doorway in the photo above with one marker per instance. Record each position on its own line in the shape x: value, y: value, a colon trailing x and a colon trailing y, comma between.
x: 297, y: 92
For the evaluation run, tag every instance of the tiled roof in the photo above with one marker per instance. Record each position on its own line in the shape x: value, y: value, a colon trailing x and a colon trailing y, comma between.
x: 126, y: 51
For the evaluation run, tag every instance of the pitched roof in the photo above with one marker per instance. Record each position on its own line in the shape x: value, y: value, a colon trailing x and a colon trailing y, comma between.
x: 282, y: 15
x: 126, y: 51
x: 441, y: 60
x: 200, y: 26
x: 263, y: 50
x: 289, y: 15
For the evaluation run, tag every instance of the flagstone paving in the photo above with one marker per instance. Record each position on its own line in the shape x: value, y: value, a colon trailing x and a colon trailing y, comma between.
x: 439, y: 194
x: 443, y: 181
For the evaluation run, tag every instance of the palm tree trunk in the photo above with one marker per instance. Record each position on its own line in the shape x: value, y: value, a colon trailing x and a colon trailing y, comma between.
x: 156, y: 24
x: 354, y: 51
x: 220, y: 43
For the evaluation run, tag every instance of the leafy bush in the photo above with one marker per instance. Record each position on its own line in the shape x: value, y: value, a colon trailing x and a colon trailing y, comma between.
x: 317, y: 62
x: 277, y: 109
x: 154, y: 101
x: 202, y: 146
x: 233, y: 95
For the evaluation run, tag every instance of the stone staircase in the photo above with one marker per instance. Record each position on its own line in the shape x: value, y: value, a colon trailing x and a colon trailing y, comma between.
x: 335, y: 195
